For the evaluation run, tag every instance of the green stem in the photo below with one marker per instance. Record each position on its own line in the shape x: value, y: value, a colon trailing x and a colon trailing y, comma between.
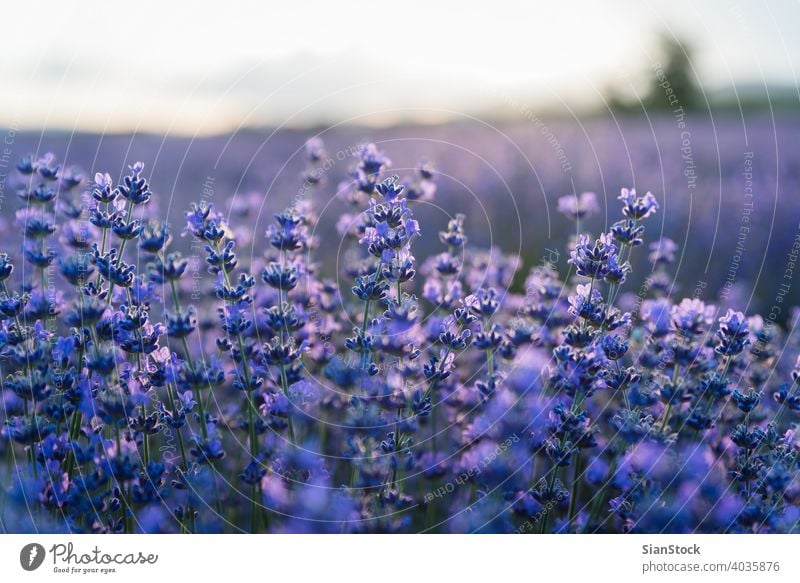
x: 551, y: 485
x: 366, y: 356
x: 284, y: 334
x: 575, y: 490
x: 128, y: 214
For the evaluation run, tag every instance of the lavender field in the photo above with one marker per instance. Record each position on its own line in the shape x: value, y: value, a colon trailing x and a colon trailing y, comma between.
x: 533, y: 327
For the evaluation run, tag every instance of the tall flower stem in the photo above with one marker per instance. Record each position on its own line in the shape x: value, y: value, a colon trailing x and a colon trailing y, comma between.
x: 284, y: 339
x: 128, y: 215
x: 575, y: 490
x: 200, y: 405
x: 251, y: 411
x: 366, y: 356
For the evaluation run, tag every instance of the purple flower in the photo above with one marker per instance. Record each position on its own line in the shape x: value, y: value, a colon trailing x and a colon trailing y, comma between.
x: 733, y: 334
x: 692, y: 317
x: 591, y: 258
x: 637, y: 208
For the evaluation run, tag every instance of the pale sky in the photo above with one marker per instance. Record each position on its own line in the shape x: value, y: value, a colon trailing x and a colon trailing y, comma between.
x: 205, y: 66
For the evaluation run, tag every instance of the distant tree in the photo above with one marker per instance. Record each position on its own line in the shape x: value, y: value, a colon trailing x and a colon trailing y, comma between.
x: 666, y: 87
x: 676, y: 71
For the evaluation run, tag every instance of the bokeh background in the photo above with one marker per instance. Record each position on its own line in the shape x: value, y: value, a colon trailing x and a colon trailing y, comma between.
x: 515, y: 103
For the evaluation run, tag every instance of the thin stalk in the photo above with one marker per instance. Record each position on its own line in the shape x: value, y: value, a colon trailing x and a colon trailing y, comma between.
x: 551, y: 485
x: 128, y: 214
x: 575, y: 490
x: 366, y: 356
x: 284, y: 333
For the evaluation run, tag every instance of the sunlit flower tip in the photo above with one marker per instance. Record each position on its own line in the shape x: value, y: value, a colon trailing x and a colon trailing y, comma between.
x: 390, y: 189
x: 102, y: 180
x: 637, y: 208
x: 135, y: 189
